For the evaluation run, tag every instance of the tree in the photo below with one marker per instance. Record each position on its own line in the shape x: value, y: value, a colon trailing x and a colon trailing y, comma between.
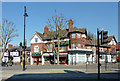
x: 90, y: 36
x: 20, y: 44
x: 7, y: 30
x: 56, y: 24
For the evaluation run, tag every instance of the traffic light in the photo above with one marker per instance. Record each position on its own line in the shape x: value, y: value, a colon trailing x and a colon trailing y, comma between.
x: 104, y: 37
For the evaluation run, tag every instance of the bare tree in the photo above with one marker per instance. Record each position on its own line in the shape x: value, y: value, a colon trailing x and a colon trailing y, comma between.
x: 90, y: 36
x: 7, y: 30
x: 56, y: 24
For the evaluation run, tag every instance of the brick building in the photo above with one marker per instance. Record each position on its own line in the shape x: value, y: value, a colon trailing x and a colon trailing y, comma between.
x: 118, y: 51
x: 74, y: 47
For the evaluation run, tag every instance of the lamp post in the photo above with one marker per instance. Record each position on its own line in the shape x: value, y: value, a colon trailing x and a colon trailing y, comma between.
x: 25, y: 15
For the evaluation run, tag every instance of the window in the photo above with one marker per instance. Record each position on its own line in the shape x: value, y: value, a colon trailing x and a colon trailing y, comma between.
x: 47, y: 59
x: 36, y: 39
x: 49, y: 47
x: 36, y: 48
x: 78, y: 35
x: 78, y: 45
x: 73, y: 35
x: 73, y: 46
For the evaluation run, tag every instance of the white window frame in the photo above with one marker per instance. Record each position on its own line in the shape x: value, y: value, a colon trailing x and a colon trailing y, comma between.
x: 78, y: 35
x: 36, y: 48
x: 73, y: 35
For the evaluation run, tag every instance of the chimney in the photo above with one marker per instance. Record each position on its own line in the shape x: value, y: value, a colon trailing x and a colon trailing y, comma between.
x: 45, y: 30
x: 10, y: 46
x: 70, y: 24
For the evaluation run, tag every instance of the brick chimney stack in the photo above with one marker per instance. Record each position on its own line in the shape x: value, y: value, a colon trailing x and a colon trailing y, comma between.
x: 46, y: 30
x: 10, y: 46
x: 70, y: 24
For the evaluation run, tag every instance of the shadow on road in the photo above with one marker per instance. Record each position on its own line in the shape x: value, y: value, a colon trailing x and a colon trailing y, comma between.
x: 67, y: 76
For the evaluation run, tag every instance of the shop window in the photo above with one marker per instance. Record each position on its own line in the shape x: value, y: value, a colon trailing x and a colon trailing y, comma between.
x: 78, y: 45
x: 73, y: 35
x: 36, y: 48
x: 78, y: 35
x: 47, y: 59
x: 49, y: 47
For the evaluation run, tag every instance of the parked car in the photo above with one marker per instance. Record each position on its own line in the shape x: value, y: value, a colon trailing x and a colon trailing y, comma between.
x: 4, y: 64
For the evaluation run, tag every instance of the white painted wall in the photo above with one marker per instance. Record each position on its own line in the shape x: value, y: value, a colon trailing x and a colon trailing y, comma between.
x: 6, y: 54
x: 31, y: 59
x: 109, y: 58
x: 81, y: 58
x: 16, y: 59
x: 83, y: 35
x: 14, y: 53
x: 39, y: 39
x: 112, y: 42
x: 5, y: 59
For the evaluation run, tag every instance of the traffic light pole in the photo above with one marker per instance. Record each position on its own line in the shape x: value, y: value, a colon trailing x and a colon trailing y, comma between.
x: 98, y: 55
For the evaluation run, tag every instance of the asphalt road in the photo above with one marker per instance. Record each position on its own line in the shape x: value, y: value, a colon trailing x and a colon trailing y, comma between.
x: 57, y: 72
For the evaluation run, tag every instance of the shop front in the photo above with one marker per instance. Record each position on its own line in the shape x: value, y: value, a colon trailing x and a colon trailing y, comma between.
x: 37, y: 58
x: 63, y: 58
x: 76, y: 56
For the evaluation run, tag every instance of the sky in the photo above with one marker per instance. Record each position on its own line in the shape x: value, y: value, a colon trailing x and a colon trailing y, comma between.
x: 90, y: 15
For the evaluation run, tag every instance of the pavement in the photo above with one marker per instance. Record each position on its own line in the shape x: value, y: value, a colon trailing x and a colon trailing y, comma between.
x: 60, y: 72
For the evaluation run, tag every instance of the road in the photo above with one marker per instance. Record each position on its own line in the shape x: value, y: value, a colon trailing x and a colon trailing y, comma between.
x: 72, y: 72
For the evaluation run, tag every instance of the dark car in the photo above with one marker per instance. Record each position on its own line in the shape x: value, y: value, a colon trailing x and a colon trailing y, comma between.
x: 4, y: 64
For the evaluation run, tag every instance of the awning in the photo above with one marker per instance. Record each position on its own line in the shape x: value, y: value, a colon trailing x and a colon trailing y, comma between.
x: 36, y: 54
x: 64, y: 43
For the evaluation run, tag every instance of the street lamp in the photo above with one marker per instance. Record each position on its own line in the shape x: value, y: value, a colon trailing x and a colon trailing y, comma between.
x: 25, y: 15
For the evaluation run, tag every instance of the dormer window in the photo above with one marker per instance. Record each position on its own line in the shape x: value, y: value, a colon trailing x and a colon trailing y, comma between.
x: 78, y: 35
x: 36, y: 39
x: 73, y: 35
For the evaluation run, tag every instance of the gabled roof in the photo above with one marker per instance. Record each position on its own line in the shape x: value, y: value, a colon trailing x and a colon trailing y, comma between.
x: 39, y: 34
x: 110, y: 38
x: 15, y: 48
x: 53, y: 34
x: 75, y: 29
